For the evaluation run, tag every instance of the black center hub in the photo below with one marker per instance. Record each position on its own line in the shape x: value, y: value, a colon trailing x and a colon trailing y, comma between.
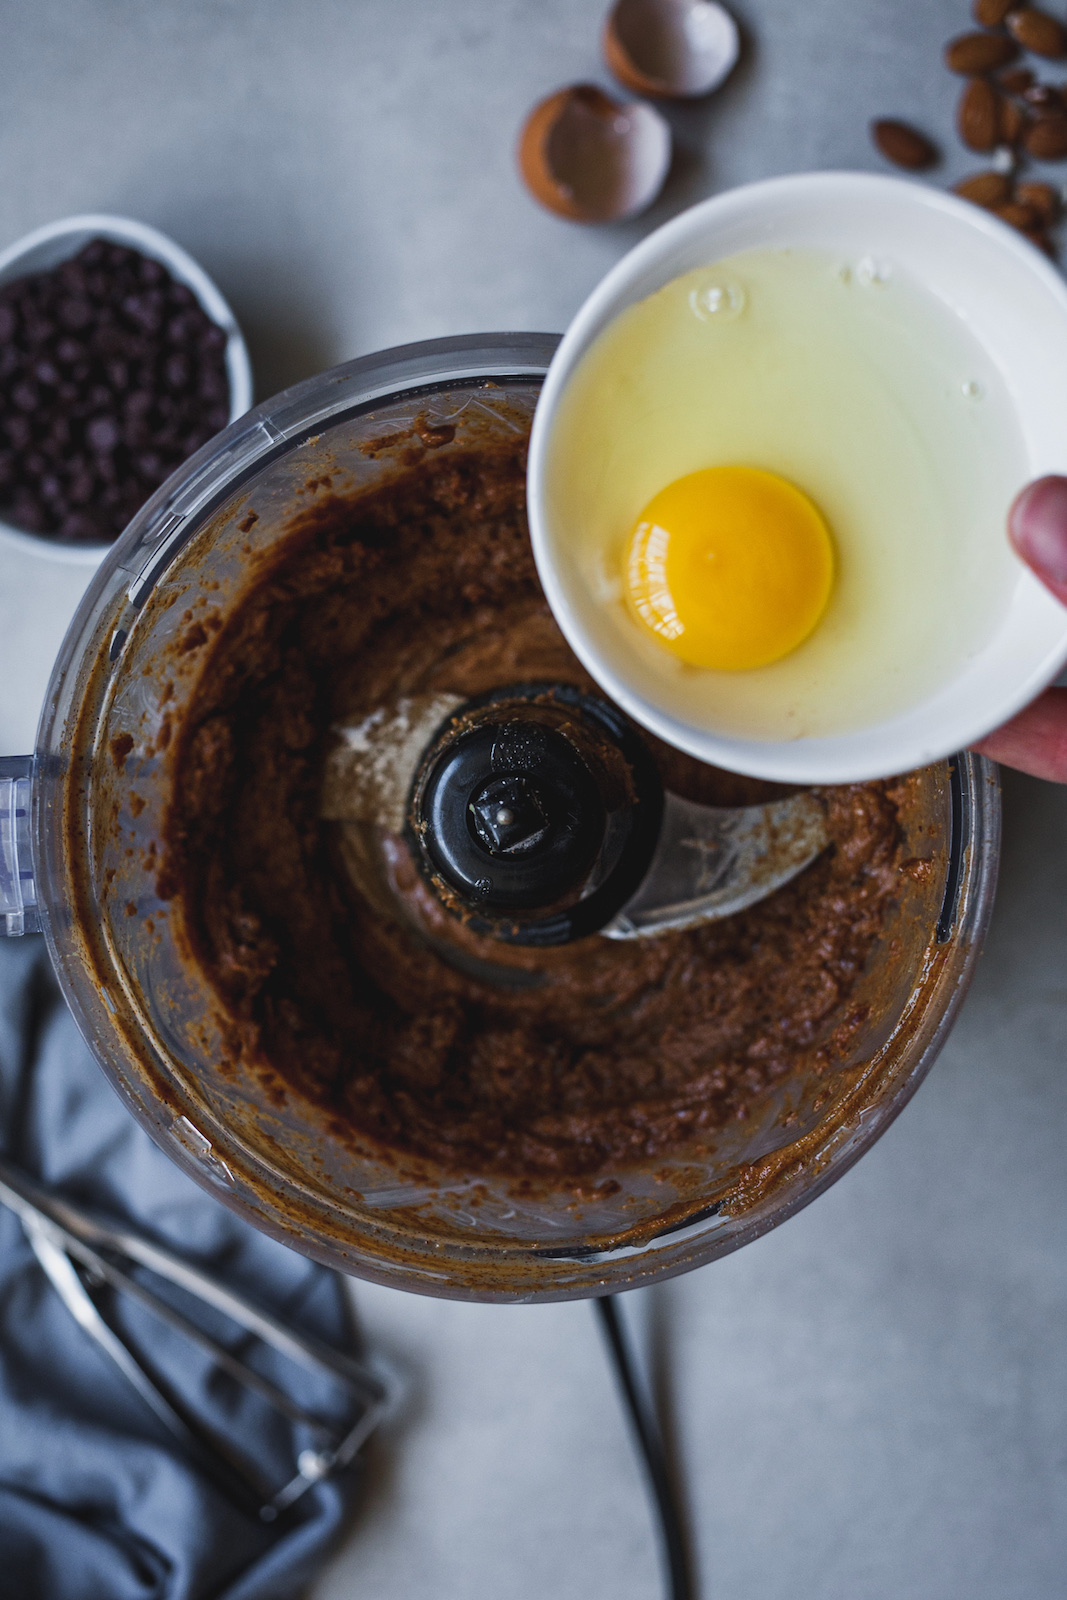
x: 505, y: 839
x: 536, y: 813
x: 509, y: 817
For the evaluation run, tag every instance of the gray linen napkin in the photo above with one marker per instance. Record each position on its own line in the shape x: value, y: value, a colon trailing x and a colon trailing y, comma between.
x: 96, y: 1501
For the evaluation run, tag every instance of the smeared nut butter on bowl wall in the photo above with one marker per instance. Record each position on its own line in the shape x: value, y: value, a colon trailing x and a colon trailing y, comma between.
x: 395, y: 1025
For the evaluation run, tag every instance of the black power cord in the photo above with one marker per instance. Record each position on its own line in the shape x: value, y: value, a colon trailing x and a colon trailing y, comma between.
x: 650, y: 1446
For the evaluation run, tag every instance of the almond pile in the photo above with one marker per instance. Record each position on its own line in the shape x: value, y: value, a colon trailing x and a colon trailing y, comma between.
x: 1004, y: 111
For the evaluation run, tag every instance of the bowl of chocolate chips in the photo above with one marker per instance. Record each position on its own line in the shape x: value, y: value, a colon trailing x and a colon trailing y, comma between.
x: 119, y: 359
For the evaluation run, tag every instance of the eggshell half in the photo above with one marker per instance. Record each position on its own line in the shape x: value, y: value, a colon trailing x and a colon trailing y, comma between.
x: 588, y: 157
x: 671, y: 48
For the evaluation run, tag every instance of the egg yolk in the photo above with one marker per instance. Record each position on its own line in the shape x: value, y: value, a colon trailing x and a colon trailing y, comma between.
x: 730, y: 568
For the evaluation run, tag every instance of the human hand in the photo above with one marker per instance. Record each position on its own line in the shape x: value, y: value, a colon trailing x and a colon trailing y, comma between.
x: 1035, y: 741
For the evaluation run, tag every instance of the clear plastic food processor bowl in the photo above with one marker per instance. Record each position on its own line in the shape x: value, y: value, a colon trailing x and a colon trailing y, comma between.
x: 75, y: 854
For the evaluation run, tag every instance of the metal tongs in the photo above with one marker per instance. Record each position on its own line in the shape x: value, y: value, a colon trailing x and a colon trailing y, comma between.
x: 84, y: 1255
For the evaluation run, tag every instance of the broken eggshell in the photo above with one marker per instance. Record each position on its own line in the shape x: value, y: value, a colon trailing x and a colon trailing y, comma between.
x: 672, y: 48
x: 588, y: 157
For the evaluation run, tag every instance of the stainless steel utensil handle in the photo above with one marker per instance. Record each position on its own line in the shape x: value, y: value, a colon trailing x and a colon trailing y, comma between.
x: 18, y: 886
x: 71, y: 1244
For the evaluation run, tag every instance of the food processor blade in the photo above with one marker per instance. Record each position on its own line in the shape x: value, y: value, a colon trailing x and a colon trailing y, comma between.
x: 713, y: 861
x: 708, y: 862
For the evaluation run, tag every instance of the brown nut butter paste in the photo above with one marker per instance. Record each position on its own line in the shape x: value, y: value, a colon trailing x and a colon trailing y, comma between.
x: 523, y: 1062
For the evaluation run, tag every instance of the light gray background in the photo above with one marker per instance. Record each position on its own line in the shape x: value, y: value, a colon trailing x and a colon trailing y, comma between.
x: 871, y: 1402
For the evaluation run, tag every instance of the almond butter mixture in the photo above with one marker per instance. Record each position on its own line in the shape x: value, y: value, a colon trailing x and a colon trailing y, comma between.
x: 528, y: 1062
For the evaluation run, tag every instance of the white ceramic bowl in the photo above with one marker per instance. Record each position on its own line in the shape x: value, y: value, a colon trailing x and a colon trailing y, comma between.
x: 46, y: 248
x: 1015, y: 303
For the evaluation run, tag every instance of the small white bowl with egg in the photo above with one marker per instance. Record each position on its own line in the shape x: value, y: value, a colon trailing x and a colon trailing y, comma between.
x: 897, y: 356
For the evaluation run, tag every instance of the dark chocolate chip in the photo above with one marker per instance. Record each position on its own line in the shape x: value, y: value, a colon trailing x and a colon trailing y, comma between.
x: 82, y: 528
x: 37, y: 329
x: 75, y: 313
x: 212, y: 386
x: 108, y: 340
x: 17, y: 429
x: 142, y: 310
x: 80, y: 488
x: 176, y: 371
x: 71, y: 276
x: 29, y: 513
x: 103, y: 433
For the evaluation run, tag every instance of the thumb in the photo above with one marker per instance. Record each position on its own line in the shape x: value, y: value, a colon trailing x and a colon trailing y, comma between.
x: 1037, y: 524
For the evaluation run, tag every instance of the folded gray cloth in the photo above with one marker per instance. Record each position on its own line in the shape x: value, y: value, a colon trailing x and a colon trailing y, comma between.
x: 97, y: 1502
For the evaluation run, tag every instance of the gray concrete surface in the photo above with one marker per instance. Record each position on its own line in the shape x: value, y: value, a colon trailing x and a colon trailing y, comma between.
x: 871, y: 1403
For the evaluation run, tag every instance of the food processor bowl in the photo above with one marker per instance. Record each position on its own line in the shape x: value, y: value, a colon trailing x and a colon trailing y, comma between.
x: 81, y: 830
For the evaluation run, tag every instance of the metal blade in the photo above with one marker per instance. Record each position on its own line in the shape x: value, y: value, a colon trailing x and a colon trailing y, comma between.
x: 713, y: 861
x: 370, y: 770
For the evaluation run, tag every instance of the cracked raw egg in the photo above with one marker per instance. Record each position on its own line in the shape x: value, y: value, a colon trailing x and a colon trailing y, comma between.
x: 730, y: 568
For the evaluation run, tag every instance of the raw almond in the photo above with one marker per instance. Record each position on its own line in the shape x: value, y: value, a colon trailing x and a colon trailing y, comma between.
x: 978, y: 115
x: 1018, y: 215
x: 988, y: 189
x: 1017, y: 81
x: 1013, y: 123
x: 1038, y: 237
x: 991, y: 13
x: 973, y: 54
x: 903, y: 145
x: 1042, y: 198
x: 1046, y: 139
x: 1038, y: 32
x: 1043, y: 97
